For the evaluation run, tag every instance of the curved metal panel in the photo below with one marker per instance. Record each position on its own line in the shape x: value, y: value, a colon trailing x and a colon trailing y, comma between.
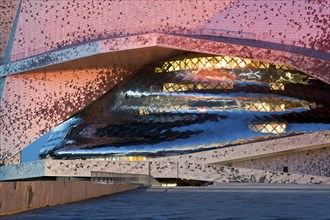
x: 194, y: 103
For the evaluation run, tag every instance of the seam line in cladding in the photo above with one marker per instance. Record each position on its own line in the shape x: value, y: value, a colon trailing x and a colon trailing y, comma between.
x: 264, y: 45
x: 9, y: 68
x: 11, y: 38
x: 54, y: 57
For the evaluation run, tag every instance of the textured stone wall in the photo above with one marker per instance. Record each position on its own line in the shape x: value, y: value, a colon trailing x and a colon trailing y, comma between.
x: 309, y: 162
x: 45, y: 25
x: 35, y: 102
x: 183, y: 169
x: 8, y: 9
x: 211, y: 165
x: 16, y: 159
x: 203, y: 165
x: 269, y: 148
x: 22, y: 196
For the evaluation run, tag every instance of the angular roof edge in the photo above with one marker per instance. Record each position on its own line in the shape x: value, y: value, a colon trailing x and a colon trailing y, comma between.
x: 312, y: 63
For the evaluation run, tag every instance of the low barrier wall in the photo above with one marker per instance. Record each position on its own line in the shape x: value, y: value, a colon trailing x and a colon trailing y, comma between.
x: 123, y: 178
x: 22, y: 196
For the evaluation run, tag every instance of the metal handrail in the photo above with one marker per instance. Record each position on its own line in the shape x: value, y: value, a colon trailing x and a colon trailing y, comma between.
x: 123, y: 178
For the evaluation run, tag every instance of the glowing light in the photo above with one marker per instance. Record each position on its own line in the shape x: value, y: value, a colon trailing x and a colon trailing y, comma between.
x: 216, y: 62
x: 269, y: 127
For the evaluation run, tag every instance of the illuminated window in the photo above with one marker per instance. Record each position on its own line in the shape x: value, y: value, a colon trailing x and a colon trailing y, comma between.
x: 269, y: 127
x: 220, y: 68
x: 193, y: 103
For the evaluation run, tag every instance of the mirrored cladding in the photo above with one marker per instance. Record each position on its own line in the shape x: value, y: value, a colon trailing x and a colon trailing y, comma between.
x: 193, y: 103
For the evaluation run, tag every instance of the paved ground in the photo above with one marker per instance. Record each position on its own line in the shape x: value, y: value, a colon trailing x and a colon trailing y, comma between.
x: 227, y: 201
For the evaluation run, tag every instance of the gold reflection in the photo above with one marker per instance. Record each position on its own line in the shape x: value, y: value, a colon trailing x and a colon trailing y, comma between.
x: 136, y: 158
x: 237, y: 69
x: 277, y: 86
x: 192, y: 102
x: 266, y: 107
x: 143, y: 112
x: 288, y: 77
x: 118, y: 158
x: 176, y: 87
x: 220, y: 85
x: 216, y: 62
x: 269, y: 127
x: 275, y: 105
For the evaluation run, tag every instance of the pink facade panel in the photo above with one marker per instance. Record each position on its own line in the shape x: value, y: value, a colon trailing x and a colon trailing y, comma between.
x: 34, y: 103
x: 46, y: 25
x: 299, y: 23
x: 8, y: 11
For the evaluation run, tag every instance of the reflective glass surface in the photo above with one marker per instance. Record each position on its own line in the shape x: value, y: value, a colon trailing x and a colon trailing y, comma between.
x: 193, y: 103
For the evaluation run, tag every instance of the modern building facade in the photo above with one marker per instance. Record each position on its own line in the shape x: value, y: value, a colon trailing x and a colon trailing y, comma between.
x: 208, y: 90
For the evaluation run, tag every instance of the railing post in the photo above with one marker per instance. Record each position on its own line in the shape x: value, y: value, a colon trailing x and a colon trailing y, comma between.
x: 149, y: 173
x: 177, y: 170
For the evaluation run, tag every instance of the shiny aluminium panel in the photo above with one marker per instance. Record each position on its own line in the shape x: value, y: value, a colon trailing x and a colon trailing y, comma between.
x: 193, y: 103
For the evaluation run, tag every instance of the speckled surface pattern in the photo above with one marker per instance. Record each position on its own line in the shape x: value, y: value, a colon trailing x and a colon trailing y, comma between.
x: 7, y: 11
x: 26, y: 170
x: 200, y: 166
x: 315, y: 162
x: 315, y: 67
x: 183, y: 169
x: 2, y: 84
x: 16, y: 159
x: 51, y: 58
x: 257, y: 149
x: 34, y: 103
x: 300, y: 23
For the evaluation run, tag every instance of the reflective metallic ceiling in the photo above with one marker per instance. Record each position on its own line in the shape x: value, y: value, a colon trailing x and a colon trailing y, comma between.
x: 193, y: 102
